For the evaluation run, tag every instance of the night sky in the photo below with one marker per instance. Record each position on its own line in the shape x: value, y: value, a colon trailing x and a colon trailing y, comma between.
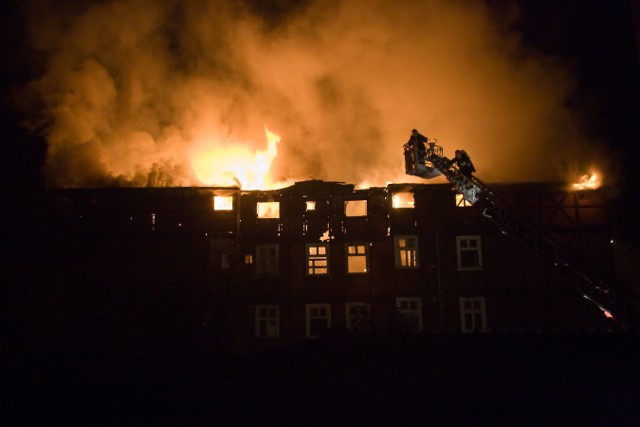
x: 593, y: 43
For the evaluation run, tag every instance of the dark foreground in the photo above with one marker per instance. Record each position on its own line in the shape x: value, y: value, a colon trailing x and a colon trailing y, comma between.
x: 503, y: 379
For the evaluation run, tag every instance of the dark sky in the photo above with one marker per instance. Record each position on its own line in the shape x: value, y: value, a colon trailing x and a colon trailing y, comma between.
x: 595, y: 39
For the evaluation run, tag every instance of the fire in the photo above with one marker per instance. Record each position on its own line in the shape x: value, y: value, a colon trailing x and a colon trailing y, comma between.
x: 403, y: 200
x: 590, y: 181
x: 234, y: 164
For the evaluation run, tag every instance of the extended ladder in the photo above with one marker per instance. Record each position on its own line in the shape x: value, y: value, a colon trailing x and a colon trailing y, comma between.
x: 510, y: 222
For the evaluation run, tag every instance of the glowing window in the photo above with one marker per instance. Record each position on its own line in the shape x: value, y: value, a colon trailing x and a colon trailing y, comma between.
x: 410, y: 311
x: 406, y: 251
x: 469, y: 253
x: 473, y: 317
x: 403, y: 199
x: 461, y: 202
x: 248, y: 258
x: 311, y: 205
x: 267, y: 260
x: 268, y: 209
x: 318, y: 259
x: 318, y: 319
x: 357, y: 258
x: 267, y: 319
x: 355, y: 208
x: 222, y: 203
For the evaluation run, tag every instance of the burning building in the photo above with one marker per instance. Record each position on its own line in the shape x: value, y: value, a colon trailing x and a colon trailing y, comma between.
x: 295, y: 263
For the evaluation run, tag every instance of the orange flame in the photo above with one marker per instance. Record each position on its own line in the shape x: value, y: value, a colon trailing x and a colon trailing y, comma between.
x: 590, y: 181
x: 234, y: 164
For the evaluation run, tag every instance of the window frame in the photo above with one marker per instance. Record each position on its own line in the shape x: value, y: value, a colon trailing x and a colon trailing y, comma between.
x: 310, y: 260
x: 347, y: 309
x: 403, y: 312
x: 477, y: 249
x: 258, y: 258
x: 258, y: 318
x: 481, y: 311
x: 347, y: 255
x: 308, y: 318
x: 397, y: 250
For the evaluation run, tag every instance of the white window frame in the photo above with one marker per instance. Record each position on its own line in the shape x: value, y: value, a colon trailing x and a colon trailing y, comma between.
x: 406, y: 254
x: 360, y: 249
x: 469, y: 244
x: 366, y: 308
x: 310, y: 316
x: 272, y: 319
x: 271, y: 260
x: 315, y: 260
x: 406, y: 312
x: 473, y: 311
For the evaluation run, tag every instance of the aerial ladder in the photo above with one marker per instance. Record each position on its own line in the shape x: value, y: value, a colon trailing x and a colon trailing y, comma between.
x: 431, y: 163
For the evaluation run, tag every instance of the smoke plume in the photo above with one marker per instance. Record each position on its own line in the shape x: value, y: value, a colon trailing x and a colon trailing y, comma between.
x: 133, y: 91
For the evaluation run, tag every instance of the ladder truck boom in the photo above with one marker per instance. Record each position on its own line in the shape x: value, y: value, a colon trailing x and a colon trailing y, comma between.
x: 510, y: 222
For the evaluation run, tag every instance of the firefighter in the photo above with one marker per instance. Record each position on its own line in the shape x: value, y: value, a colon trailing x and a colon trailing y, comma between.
x: 465, y: 166
x: 417, y: 140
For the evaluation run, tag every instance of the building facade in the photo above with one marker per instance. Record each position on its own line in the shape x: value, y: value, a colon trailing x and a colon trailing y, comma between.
x: 286, y: 265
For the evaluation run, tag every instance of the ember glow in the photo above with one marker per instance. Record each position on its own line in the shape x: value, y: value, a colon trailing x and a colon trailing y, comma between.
x: 590, y: 181
x: 234, y: 164
x: 403, y: 200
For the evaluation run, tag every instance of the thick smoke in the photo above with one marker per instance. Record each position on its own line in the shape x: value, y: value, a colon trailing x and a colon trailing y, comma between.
x: 132, y: 90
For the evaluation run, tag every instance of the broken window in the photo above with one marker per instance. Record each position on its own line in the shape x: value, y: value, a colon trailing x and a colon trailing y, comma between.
x: 469, y: 253
x: 403, y: 199
x: 318, y: 319
x: 357, y: 258
x: 406, y: 251
x: 410, y: 311
x: 355, y: 208
x: 267, y: 260
x: 222, y: 203
x: 461, y: 202
x: 268, y: 209
x: 317, y: 259
x: 473, y: 317
x: 267, y: 321
x: 358, y: 316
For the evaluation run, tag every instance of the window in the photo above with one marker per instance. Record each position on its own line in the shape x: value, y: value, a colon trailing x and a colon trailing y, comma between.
x: 222, y: 203
x: 355, y: 208
x: 461, y: 202
x: 268, y: 209
x: 317, y: 259
x: 357, y: 258
x: 267, y: 321
x: 410, y: 310
x: 469, y: 253
x: 406, y: 249
x: 248, y: 258
x: 358, y: 316
x: 473, y: 317
x: 318, y: 319
x: 311, y: 205
x: 403, y: 200
x: 267, y: 260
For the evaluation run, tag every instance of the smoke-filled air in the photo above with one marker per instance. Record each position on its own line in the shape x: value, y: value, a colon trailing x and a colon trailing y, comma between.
x: 193, y: 93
